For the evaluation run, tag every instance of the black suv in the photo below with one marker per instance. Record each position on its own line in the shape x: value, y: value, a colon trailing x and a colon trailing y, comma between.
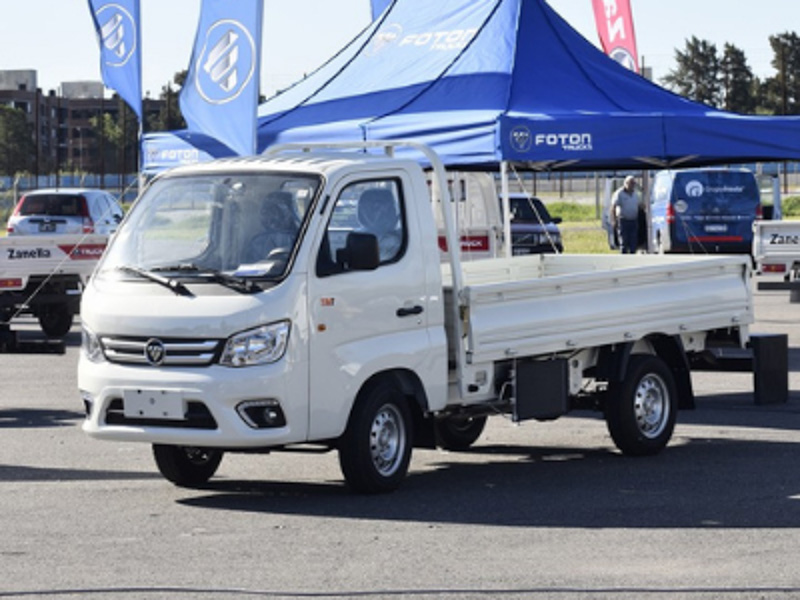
x: 533, y: 230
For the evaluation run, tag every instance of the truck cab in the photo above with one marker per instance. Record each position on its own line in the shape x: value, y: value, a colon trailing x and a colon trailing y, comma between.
x: 230, y: 280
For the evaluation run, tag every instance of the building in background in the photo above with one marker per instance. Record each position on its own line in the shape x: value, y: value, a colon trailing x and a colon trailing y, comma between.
x: 64, y: 135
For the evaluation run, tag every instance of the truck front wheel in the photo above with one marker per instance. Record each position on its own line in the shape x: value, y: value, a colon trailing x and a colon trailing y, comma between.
x: 186, y: 466
x: 55, y: 320
x: 375, y: 450
x: 640, y: 411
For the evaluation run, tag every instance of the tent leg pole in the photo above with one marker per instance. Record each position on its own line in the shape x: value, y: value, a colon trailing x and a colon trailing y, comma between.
x: 506, y: 207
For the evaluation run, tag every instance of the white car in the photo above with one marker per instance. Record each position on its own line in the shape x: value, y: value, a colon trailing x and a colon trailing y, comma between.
x: 67, y: 211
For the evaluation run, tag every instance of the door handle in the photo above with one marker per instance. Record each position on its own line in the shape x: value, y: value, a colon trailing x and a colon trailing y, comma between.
x: 409, y: 311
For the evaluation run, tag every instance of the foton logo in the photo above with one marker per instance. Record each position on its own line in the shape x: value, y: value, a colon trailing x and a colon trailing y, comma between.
x: 228, y: 62
x: 455, y: 39
x: 118, y: 30
x: 521, y: 138
x: 570, y: 142
x: 182, y: 156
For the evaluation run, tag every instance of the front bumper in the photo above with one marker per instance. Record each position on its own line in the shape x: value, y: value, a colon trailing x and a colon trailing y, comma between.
x: 209, y: 398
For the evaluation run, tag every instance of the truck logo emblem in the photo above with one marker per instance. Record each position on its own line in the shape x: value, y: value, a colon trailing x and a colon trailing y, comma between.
x: 228, y: 62
x: 521, y: 138
x: 118, y: 31
x: 154, y: 351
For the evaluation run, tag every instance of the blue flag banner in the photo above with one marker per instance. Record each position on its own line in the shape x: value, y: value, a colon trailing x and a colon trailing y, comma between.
x: 220, y: 95
x: 117, y: 25
x: 378, y: 6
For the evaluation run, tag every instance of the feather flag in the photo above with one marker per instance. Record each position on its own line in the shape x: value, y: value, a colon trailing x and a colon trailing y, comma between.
x: 220, y: 95
x: 117, y: 25
x: 615, y: 27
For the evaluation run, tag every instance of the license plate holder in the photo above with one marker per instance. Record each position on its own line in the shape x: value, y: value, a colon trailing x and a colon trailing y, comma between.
x: 716, y: 228
x: 47, y: 227
x: 153, y: 404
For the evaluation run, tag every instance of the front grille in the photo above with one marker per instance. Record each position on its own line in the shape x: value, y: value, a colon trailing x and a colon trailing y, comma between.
x: 177, y: 352
x: 197, y: 417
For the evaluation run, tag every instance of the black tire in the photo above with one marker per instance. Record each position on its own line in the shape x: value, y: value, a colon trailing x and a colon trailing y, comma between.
x: 640, y: 412
x: 375, y: 450
x: 55, y: 320
x: 186, y: 466
x: 459, y: 432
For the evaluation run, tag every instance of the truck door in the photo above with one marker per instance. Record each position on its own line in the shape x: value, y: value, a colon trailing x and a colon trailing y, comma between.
x: 365, y: 321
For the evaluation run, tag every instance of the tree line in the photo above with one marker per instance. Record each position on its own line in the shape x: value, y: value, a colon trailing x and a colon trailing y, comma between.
x: 723, y: 79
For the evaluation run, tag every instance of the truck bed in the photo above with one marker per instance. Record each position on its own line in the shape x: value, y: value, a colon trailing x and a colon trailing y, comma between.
x: 542, y: 304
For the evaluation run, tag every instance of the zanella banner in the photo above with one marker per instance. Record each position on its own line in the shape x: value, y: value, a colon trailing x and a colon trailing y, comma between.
x: 615, y: 27
x: 117, y: 26
x: 220, y: 96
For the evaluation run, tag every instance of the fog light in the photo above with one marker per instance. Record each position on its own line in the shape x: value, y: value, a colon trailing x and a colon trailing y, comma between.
x: 262, y: 414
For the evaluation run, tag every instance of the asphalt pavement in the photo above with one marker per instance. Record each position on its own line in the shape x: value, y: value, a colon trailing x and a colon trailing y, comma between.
x: 538, y: 510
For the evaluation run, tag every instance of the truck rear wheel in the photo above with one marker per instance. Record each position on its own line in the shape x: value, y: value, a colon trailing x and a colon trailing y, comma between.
x: 375, y: 450
x: 640, y: 411
x: 186, y: 466
x: 459, y: 432
x: 55, y: 320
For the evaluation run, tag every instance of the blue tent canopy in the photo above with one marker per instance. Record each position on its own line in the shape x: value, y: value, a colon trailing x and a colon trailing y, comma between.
x: 486, y: 81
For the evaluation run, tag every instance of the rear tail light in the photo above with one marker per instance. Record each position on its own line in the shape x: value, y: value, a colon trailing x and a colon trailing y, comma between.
x: 773, y: 268
x: 88, y: 224
x: 759, y: 212
x: 670, y: 214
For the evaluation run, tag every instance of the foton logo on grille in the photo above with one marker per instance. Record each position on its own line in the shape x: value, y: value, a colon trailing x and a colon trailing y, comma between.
x: 154, y: 352
x: 118, y: 30
x: 229, y: 61
x: 570, y: 142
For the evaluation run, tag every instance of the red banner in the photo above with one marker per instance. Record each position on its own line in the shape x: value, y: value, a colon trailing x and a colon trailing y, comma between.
x: 615, y: 27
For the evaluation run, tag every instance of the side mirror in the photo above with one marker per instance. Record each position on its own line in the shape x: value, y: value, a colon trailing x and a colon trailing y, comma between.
x: 361, y: 252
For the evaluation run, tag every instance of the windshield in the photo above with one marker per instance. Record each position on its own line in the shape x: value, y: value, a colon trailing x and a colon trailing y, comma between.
x: 241, y: 224
x: 528, y: 210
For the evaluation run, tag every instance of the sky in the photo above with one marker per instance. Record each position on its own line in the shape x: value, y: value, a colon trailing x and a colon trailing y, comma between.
x: 57, y: 39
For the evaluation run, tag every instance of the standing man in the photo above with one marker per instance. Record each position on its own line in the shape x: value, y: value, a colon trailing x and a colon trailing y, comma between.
x: 625, y: 215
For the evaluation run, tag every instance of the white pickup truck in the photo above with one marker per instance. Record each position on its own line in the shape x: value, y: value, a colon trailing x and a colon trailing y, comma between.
x: 298, y: 299
x: 44, y: 275
x: 776, y: 250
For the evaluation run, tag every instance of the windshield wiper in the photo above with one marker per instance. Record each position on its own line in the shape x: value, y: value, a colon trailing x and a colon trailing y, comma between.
x: 240, y: 284
x: 172, y: 284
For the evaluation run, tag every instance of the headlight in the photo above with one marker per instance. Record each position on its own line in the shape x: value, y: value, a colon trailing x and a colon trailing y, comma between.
x: 262, y: 345
x: 90, y: 344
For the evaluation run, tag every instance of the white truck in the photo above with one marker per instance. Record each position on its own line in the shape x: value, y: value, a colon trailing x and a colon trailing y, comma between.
x: 43, y: 275
x: 776, y: 250
x: 338, y: 328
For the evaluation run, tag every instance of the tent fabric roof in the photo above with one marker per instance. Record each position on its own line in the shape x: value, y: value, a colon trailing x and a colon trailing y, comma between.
x: 490, y: 80
x: 484, y: 81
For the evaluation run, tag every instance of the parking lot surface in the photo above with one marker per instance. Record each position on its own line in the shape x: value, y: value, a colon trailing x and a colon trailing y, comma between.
x: 539, y: 510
